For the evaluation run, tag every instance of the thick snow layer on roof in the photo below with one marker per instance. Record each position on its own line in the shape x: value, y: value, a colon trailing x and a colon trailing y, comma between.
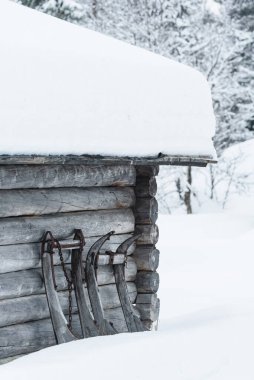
x: 68, y: 90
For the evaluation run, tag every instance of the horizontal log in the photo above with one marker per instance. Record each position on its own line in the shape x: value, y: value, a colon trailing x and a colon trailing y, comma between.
x: 150, y: 325
x: 52, y: 201
x: 149, y: 311
x: 47, y: 176
x: 70, y: 159
x: 8, y: 354
x: 146, y: 257
x: 149, y: 234
x: 110, y: 258
x: 150, y: 298
x: 30, y: 282
x: 147, y: 282
x: 145, y: 187
x: 27, y: 256
x: 93, y: 223
x: 33, y: 336
x: 116, y: 316
x: 35, y: 307
x: 147, y: 171
x: 10, y: 359
x: 29, y: 337
x: 146, y: 210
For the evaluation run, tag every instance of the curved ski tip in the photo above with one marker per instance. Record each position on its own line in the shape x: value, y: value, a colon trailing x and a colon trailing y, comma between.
x: 46, y: 235
x: 123, y: 248
x: 98, y: 244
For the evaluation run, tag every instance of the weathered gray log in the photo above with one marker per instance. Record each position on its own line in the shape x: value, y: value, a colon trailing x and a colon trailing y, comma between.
x: 52, y: 201
x: 24, y: 309
x: 32, y: 336
x: 61, y: 330
x: 92, y: 223
x: 145, y: 187
x: 150, y: 325
x: 146, y: 257
x: 150, y: 298
x: 46, y: 176
x: 27, y: 256
x: 146, y: 210
x: 147, y: 282
x: 149, y: 234
x: 28, y: 337
x: 147, y: 171
x: 149, y: 311
x: 107, y: 259
x: 148, y: 306
x: 105, y: 272
x: 29, y: 282
x: 10, y: 359
x: 70, y: 159
x: 36, y: 333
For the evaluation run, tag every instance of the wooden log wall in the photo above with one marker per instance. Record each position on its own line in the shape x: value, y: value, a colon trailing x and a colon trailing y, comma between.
x: 146, y: 255
x: 35, y: 335
x: 60, y: 198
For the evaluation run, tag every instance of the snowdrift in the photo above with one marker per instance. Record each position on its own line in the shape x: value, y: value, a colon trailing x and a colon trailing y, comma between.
x: 206, y: 325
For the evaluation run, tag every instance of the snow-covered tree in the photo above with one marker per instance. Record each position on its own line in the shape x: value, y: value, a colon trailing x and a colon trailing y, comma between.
x: 243, y: 12
x: 36, y: 4
x: 69, y: 10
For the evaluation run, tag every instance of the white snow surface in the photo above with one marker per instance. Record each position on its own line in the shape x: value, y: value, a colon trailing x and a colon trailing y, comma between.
x: 206, y: 328
x: 213, y: 7
x: 68, y: 90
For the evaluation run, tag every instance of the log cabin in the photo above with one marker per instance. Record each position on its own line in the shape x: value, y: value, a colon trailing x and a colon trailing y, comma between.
x: 85, y: 123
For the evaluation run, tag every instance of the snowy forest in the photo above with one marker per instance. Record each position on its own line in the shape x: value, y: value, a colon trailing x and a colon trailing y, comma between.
x: 115, y: 238
x: 217, y: 38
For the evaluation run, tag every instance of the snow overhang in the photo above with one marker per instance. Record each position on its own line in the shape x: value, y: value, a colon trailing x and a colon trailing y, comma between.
x: 69, y: 91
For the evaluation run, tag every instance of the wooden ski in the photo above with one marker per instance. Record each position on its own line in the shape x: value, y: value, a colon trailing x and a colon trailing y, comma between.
x: 88, y: 325
x: 59, y: 323
x: 134, y: 324
x: 104, y: 327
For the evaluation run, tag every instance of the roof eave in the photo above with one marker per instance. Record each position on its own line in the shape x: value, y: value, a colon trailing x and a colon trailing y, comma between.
x: 191, y: 160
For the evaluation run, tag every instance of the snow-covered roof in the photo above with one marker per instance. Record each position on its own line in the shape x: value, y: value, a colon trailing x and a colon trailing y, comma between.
x: 68, y: 90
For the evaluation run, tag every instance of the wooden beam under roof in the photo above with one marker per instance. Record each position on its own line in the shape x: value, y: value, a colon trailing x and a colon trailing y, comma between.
x: 160, y: 159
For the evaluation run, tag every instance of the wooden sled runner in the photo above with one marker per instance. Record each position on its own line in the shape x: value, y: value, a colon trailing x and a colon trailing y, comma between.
x: 105, y: 327
x: 88, y: 325
x: 95, y: 323
x: 62, y: 329
x: 132, y: 320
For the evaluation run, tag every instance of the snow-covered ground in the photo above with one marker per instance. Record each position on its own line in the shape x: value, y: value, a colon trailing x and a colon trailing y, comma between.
x: 206, y: 328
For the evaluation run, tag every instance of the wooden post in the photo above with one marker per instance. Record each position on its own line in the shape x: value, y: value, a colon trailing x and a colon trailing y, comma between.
x: 146, y: 255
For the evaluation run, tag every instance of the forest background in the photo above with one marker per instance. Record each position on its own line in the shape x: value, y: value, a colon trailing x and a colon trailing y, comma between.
x: 217, y: 38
